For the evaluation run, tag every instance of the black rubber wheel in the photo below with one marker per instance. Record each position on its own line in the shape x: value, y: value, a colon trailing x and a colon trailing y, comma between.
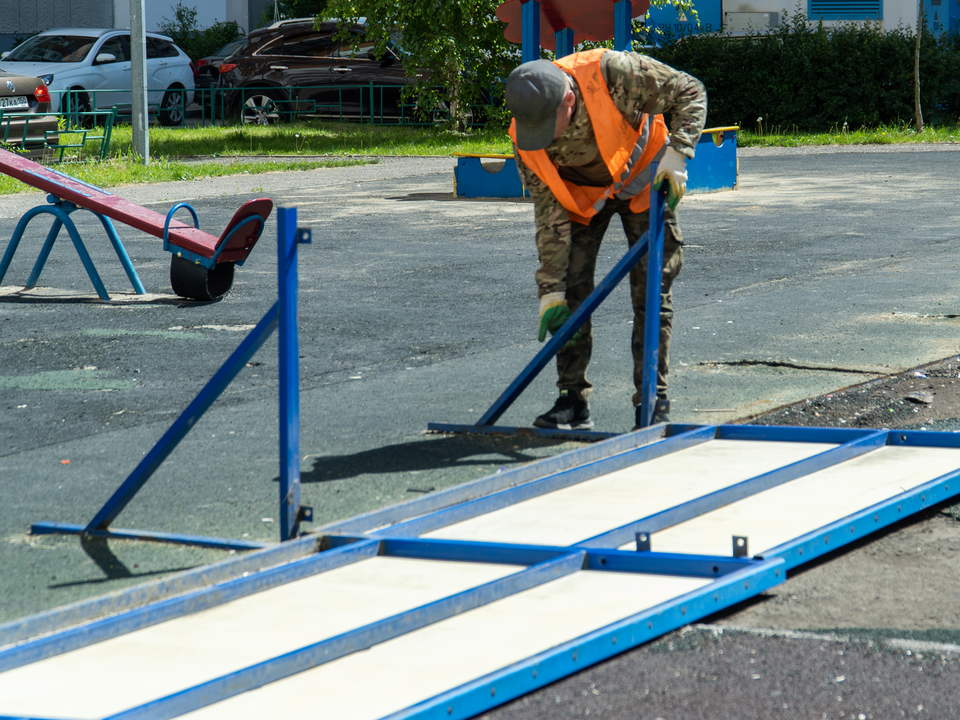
x: 171, y: 107
x: 80, y: 103
x: 190, y: 280
x: 261, y: 108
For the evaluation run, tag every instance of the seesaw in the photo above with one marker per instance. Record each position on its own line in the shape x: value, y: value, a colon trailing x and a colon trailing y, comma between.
x: 202, y: 264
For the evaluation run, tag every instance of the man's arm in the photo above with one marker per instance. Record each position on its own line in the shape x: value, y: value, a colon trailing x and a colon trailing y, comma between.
x: 639, y: 84
x: 553, y: 232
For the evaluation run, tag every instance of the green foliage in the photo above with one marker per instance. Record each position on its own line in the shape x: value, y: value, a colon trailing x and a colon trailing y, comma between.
x: 811, y: 77
x: 194, y: 41
x: 455, y: 44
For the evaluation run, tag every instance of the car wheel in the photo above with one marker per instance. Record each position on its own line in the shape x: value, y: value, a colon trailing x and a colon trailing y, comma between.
x: 261, y: 109
x: 79, y: 103
x: 171, y: 107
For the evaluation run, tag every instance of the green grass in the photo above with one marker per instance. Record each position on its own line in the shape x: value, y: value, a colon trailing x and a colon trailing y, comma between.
x: 313, y: 138
x: 902, y: 133
x: 207, y: 152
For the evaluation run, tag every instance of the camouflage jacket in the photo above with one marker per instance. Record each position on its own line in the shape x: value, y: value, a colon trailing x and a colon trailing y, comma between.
x: 638, y: 85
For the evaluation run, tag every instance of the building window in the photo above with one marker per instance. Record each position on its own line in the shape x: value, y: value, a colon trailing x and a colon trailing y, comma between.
x: 846, y: 9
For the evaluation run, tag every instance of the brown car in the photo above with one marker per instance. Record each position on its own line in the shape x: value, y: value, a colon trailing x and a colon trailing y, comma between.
x: 20, y: 98
x: 294, y: 68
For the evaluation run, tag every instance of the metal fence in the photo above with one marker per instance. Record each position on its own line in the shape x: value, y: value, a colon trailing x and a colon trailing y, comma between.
x: 260, y: 105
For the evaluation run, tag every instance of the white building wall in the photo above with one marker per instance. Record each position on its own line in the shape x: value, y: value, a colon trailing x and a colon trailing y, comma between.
x: 895, y: 12
x: 899, y: 12
x: 159, y: 11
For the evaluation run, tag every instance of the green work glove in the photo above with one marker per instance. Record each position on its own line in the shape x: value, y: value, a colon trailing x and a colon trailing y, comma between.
x: 672, y: 170
x: 553, y: 314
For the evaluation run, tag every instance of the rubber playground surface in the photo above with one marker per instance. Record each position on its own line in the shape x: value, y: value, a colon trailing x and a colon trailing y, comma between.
x: 823, y: 271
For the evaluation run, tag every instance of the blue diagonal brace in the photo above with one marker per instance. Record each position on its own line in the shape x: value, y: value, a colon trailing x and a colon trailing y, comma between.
x: 586, y: 309
x: 201, y: 403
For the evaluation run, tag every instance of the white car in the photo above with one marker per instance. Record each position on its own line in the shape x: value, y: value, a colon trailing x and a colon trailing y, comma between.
x: 93, y: 66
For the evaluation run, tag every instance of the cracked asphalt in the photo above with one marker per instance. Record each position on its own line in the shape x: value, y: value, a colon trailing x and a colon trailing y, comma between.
x: 824, y: 270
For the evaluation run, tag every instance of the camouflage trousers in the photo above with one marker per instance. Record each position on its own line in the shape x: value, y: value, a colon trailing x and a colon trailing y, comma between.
x: 584, y: 247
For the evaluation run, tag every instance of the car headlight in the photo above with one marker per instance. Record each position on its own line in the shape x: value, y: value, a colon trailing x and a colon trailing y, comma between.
x: 47, y: 79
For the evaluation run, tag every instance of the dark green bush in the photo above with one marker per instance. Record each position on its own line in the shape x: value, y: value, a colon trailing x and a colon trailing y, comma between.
x: 810, y: 77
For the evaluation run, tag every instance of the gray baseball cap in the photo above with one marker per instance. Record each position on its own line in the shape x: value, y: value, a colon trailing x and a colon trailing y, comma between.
x: 534, y: 92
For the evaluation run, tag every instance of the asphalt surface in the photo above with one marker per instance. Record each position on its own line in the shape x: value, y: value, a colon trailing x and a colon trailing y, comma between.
x: 824, y: 269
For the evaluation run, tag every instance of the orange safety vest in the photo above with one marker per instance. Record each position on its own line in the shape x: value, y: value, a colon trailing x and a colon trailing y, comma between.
x: 626, y: 152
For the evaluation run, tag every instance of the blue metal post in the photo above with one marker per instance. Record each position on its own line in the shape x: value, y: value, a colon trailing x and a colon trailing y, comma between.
x: 289, y: 374
x: 564, y: 42
x: 651, y: 324
x: 578, y: 318
x: 530, y: 30
x: 622, y: 25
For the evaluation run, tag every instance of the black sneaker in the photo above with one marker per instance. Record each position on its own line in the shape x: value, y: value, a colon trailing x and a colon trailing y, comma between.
x: 568, y: 413
x: 661, y: 413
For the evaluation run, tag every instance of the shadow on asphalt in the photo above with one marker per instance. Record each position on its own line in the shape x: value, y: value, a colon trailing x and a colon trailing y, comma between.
x: 447, y: 452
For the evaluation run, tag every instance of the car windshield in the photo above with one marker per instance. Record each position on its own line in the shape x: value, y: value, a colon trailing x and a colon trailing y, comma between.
x: 52, y: 48
x: 230, y: 48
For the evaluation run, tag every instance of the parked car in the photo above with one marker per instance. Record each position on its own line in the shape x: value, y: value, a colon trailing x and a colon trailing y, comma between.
x: 206, y: 73
x: 296, y: 68
x: 20, y: 97
x: 93, y: 67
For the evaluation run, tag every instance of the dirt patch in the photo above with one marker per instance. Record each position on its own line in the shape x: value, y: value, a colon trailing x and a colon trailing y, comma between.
x: 927, y: 397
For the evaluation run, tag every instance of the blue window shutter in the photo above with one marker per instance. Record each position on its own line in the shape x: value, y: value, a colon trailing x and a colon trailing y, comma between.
x: 845, y: 9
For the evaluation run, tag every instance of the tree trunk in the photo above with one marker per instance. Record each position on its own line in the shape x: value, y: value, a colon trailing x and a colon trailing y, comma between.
x: 457, y: 116
x: 916, y: 70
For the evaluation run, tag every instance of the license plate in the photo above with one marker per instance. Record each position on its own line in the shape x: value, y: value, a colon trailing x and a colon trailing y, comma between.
x: 13, y: 101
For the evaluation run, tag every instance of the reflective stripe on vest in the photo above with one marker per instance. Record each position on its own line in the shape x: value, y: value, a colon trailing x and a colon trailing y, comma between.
x: 626, y: 152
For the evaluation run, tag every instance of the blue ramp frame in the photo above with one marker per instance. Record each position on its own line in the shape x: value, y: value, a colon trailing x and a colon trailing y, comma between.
x: 396, y: 532
x: 651, y: 244
x: 282, y: 316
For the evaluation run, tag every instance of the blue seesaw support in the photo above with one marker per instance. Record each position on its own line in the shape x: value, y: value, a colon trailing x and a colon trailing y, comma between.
x: 61, y: 211
x: 652, y: 244
x: 282, y: 316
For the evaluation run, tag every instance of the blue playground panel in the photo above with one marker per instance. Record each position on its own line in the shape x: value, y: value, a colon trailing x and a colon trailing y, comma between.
x: 714, y: 168
x: 473, y: 178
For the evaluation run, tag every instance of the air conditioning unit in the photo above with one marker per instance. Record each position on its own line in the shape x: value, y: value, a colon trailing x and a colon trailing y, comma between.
x: 750, y: 20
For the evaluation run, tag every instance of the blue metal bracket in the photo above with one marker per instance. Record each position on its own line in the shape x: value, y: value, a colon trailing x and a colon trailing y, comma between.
x: 283, y: 314
x: 61, y: 210
x: 653, y: 238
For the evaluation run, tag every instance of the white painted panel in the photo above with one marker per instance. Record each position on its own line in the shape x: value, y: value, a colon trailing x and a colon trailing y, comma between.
x: 589, y: 508
x: 804, y: 505
x: 418, y: 666
x: 127, y: 671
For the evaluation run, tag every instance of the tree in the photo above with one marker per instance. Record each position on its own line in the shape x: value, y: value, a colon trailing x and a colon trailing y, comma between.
x: 196, y: 42
x: 454, y: 49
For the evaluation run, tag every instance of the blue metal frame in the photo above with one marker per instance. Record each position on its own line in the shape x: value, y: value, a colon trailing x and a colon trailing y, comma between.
x: 282, y: 314
x: 623, y: 25
x: 61, y: 210
x: 732, y: 579
x: 186, y: 604
x: 652, y: 238
x: 564, y: 42
x: 540, y: 670
x: 530, y: 31
x: 86, y: 611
